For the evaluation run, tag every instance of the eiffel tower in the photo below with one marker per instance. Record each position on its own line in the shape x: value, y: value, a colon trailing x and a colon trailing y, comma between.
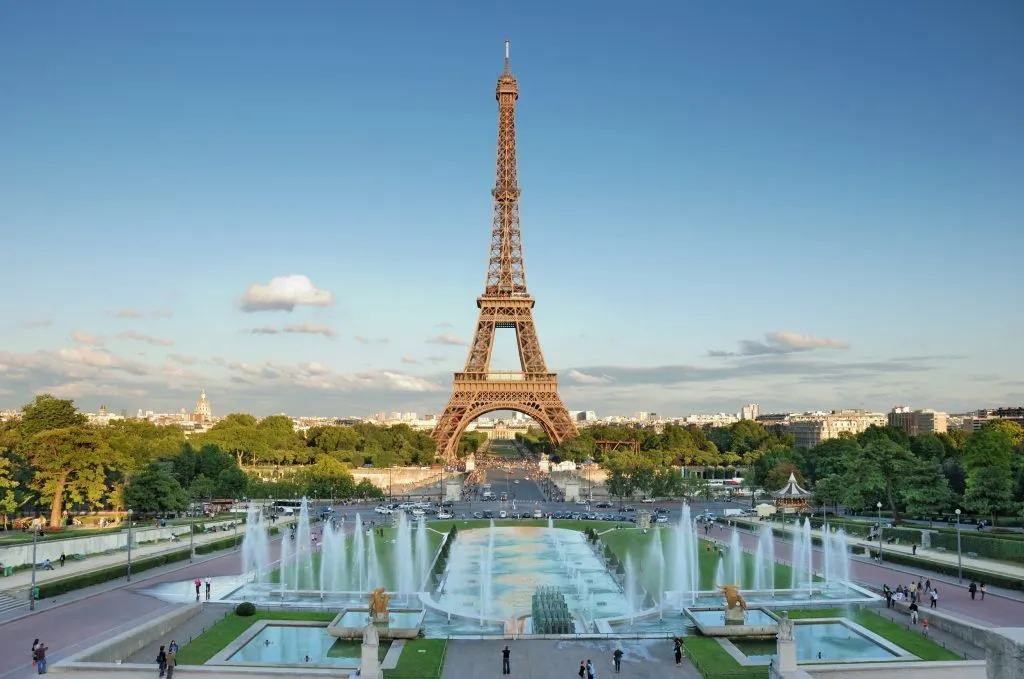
x: 505, y: 303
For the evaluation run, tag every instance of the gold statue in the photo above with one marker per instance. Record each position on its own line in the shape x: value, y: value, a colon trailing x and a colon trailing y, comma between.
x: 379, y: 604
x: 733, y: 597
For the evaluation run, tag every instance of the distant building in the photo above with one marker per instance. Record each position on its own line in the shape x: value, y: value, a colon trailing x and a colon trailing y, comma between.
x: 751, y: 411
x: 974, y: 421
x: 918, y: 422
x: 810, y: 429
x: 202, y: 413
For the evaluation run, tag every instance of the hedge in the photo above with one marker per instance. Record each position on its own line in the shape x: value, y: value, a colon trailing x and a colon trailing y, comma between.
x: 108, y: 573
x: 987, y: 547
x: 989, y: 578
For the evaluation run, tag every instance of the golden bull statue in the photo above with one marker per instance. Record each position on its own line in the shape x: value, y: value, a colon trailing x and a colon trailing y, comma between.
x: 733, y: 597
x: 379, y: 604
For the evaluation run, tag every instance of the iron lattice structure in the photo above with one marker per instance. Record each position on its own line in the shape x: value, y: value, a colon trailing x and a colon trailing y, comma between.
x: 505, y: 303
x: 611, y: 446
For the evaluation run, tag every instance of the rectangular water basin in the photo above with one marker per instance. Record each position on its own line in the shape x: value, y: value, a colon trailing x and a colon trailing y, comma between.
x: 292, y: 645
x: 825, y: 641
x: 395, y: 619
x: 711, y: 618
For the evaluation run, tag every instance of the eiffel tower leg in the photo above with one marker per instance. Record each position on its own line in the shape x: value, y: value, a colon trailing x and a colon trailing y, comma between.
x: 449, y: 427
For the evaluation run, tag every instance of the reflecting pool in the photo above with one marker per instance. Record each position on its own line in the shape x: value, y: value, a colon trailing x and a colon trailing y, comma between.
x: 292, y: 645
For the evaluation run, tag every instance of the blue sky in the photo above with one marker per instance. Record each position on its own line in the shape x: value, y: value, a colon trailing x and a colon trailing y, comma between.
x: 810, y: 205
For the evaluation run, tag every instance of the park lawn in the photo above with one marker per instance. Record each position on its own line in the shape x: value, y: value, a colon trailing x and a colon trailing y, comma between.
x: 384, y: 545
x: 714, y: 662
x: 420, y: 659
x: 909, y: 640
x: 214, y: 640
x: 636, y: 544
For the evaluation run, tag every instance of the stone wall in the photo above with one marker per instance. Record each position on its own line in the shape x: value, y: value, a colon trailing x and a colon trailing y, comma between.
x: 51, y: 548
x: 966, y: 669
x: 400, y: 479
x: 1005, y: 653
x: 958, y: 627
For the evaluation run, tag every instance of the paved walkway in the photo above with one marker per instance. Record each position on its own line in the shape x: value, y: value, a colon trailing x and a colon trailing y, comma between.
x: 545, y: 659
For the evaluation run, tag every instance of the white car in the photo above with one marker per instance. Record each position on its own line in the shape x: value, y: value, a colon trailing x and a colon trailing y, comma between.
x: 382, y: 509
x: 502, y: 514
x: 445, y: 515
x: 418, y: 512
x: 647, y: 500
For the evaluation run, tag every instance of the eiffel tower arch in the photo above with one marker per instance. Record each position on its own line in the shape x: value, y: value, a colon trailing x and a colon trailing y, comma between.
x: 505, y: 304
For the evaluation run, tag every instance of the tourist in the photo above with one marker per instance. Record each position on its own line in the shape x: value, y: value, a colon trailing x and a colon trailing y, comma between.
x: 677, y: 650
x: 935, y: 598
x: 924, y: 627
x: 62, y: 558
x: 173, y: 647
x: 208, y: 584
x: 198, y: 583
x: 913, y: 549
x: 161, y: 661
x: 172, y: 662
x: 973, y: 589
x: 40, y: 657
x: 913, y: 612
x: 583, y: 669
x: 590, y: 669
x: 982, y: 590
x: 505, y: 666
x: 47, y: 566
x: 35, y: 645
x: 617, y: 658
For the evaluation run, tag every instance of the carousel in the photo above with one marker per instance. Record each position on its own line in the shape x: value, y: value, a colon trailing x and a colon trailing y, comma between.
x: 792, y: 498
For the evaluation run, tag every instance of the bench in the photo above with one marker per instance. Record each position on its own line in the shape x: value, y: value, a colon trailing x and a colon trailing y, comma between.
x: 972, y: 555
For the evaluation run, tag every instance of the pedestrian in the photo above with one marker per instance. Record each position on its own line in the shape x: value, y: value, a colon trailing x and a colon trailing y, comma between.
x: 198, y: 583
x: 928, y: 585
x: 924, y: 627
x: 208, y: 583
x: 913, y: 613
x: 973, y: 589
x: 505, y: 666
x: 935, y: 598
x: 172, y: 662
x: 913, y: 549
x: 982, y: 588
x: 677, y: 650
x: 62, y: 558
x: 173, y: 647
x: 583, y: 669
x: 35, y: 645
x: 161, y: 661
x: 41, y: 650
x: 617, y: 657
x: 590, y: 669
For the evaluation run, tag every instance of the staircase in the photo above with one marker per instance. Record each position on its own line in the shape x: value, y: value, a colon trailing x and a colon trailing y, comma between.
x: 10, y: 603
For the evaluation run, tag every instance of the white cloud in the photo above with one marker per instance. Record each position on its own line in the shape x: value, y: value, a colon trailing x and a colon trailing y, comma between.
x: 583, y: 378
x: 136, y: 336
x: 38, y: 323
x: 371, y: 340
x: 184, y: 360
x: 781, y: 342
x: 180, y: 373
x: 410, y: 359
x: 296, y: 329
x: 85, y: 338
x: 445, y: 324
x: 284, y: 293
x: 449, y: 339
x: 435, y: 359
x: 135, y: 313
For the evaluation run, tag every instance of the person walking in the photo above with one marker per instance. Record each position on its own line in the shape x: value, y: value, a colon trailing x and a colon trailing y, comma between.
x: 973, y: 589
x: 208, y: 584
x: 35, y: 645
x: 590, y: 669
x: 62, y: 558
x: 583, y: 669
x: 173, y: 647
x: 617, y: 658
x: 198, y: 583
x: 172, y: 662
x: 505, y: 665
x: 677, y: 650
x: 40, y: 655
x: 982, y: 590
x: 935, y: 598
x: 161, y: 661
x: 913, y: 612
x: 924, y: 627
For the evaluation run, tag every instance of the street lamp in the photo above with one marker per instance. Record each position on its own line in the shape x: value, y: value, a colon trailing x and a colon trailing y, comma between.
x: 191, y: 531
x: 32, y: 588
x: 880, y: 536
x: 959, y: 558
x: 129, y: 545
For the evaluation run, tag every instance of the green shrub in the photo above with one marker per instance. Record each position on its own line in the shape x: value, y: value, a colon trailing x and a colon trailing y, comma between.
x: 245, y: 609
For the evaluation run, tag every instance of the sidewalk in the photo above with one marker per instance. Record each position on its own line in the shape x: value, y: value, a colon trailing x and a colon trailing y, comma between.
x: 924, y: 555
x: 17, y: 584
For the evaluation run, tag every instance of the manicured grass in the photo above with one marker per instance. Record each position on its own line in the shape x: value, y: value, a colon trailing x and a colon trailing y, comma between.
x: 214, y: 640
x: 420, y: 659
x: 910, y: 640
x: 714, y: 662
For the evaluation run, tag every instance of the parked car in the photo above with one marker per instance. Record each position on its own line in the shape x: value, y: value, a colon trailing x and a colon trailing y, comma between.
x: 381, y: 509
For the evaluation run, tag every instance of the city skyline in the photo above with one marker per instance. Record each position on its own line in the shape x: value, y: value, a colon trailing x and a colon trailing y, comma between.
x: 718, y: 208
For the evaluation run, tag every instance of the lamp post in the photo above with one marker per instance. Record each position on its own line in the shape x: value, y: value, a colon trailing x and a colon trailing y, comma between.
x: 129, y: 545
x: 191, y: 532
x: 959, y: 558
x: 32, y: 587
x: 881, y: 539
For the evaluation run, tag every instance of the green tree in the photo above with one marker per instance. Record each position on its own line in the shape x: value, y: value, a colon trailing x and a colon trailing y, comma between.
x: 326, y: 478
x: 46, y: 412
x: 878, y: 473
x: 69, y: 464
x: 926, y: 492
x: 778, y: 477
x: 989, y: 447
x: 9, y: 441
x: 829, y: 491
x: 989, y: 491
x: 366, y: 489
x: 155, y: 489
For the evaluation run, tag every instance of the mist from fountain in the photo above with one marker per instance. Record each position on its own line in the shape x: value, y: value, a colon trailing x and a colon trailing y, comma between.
x: 359, y: 555
x: 629, y: 588
x: 372, y: 565
x: 284, y: 571
x: 720, y: 572
x: 764, y: 560
x: 803, y: 573
x: 255, y: 545
x: 403, y: 559
x: 302, y: 563
x: 736, y: 570
x: 656, y: 560
x: 422, y: 555
x: 334, y: 558
x: 686, y: 567
x: 836, y: 559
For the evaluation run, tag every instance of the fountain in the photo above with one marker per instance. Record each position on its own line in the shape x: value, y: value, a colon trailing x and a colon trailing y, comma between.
x: 736, y: 570
x: 422, y: 555
x: 735, y: 605
x: 656, y: 559
x: 803, y: 555
x: 686, y: 562
x: 404, y: 564
x: 387, y: 623
x: 255, y: 545
x: 629, y: 588
x: 764, y: 561
x: 836, y: 559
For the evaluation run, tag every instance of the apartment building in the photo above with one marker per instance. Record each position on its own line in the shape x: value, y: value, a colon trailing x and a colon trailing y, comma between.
x: 810, y: 429
x: 918, y: 422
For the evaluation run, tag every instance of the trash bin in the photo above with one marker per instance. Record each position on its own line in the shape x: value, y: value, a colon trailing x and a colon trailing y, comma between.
x: 35, y: 593
x: 8, y: 571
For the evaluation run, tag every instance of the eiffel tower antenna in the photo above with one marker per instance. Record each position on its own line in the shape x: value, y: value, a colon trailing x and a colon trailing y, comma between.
x: 505, y: 304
